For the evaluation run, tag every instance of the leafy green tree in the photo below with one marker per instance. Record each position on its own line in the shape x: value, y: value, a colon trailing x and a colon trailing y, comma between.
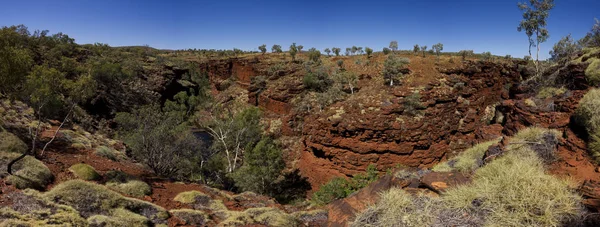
x: 263, y: 48
x: 300, y: 47
x: 564, y: 49
x: 423, y: 49
x: 261, y: 169
x: 592, y: 39
x: 15, y: 59
x: 369, y: 51
x: 535, y: 14
x: 416, y: 49
x: 317, y: 79
x: 336, y: 51
x: 348, y: 51
x: 386, y: 50
x: 328, y: 51
x: 438, y: 48
x: 293, y: 51
x: 276, y: 49
x: 233, y: 133
x: 392, y: 68
x: 340, y: 63
x: 360, y: 50
x: 353, y: 50
x: 314, y: 55
x: 145, y: 131
x: 394, y: 45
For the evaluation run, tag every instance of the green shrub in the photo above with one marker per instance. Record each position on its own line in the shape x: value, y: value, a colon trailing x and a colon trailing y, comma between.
x: 592, y: 73
x: 588, y: 116
x: 84, y: 171
x: 466, y: 161
x: 27, y: 172
x: 339, y: 188
x: 11, y: 143
x: 548, y: 92
x: 261, y: 169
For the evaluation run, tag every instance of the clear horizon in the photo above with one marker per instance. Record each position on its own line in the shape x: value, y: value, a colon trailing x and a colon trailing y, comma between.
x: 467, y: 24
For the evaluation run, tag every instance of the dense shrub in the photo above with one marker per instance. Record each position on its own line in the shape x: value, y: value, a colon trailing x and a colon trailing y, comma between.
x: 261, y: 169
x: 144, y: 132
x: 314, y: 55
x: 392, y: 68
x: 317, y: 79
x: 386, y: 50
x: 338, y: 187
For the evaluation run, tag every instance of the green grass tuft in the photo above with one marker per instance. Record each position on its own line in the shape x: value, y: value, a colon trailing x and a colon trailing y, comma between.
x: 27, y: 172
x: 190, y: 197
x: 588, y: 116
x: 512, y: 190
x: 592, y: 73
x: 192, y: 217
x: 466, y: 161
x: 107, y: 152
x: 84, y: 171
x: 11, y: 143
x: 135, y: 188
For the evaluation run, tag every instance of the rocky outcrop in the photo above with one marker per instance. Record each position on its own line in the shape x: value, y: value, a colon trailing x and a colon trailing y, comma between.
x: 409, y: 129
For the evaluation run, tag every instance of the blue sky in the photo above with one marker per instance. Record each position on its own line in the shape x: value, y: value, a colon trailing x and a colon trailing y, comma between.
x: 481, y: 25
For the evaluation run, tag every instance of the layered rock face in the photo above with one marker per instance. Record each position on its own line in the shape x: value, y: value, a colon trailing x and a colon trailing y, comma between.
x: 448, y: 115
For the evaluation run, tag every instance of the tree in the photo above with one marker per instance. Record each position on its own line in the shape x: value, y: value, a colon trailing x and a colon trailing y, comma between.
x: 347, y: 78
x: 564, y: 49
x: 392, y: 68
x: 360, y: 50
x: 300, y: 47
x: 369, y: 51
x: 328, y: 51
x: 465, y: 53
x: 263, y: 48
x: 314, y: 55
x: 416, y: 49
x: 348, y: 50
x: 145, y: 131
x: 276, y: 49
x: 423, y: 49
x: 354, y: 50
x: 336, y: 51
x: 438, y: 48
x: 592, y: 39
x: 486, y: 56
x: 293, y: 51
x: 386, y: 50
x: 394, y: 45
x: 261, y: 169
x: 535, y: 15
x: 232, y: 133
